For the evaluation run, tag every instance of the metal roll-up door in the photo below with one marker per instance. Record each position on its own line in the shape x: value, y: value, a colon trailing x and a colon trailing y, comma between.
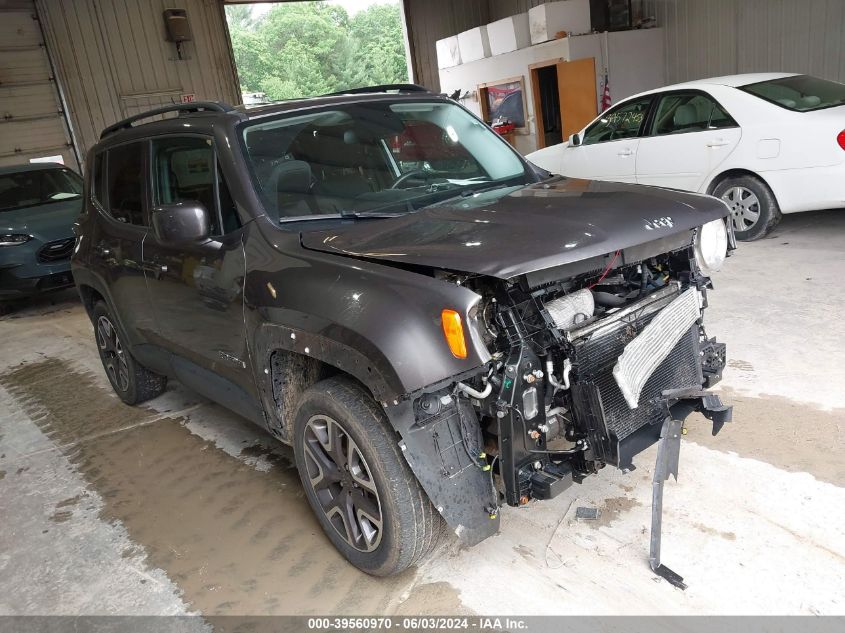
x: 32, y: 120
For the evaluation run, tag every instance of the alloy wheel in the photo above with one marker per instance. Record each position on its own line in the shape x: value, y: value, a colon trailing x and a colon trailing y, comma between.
x: 343, y: 483
x: 111, y: 349
x: 745, y: 207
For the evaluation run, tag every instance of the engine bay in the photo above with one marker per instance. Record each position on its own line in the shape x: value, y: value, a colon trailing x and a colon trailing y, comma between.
x: 548, y: 411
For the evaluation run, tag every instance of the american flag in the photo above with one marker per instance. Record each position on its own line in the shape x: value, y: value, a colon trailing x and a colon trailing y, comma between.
x: 605, y: 95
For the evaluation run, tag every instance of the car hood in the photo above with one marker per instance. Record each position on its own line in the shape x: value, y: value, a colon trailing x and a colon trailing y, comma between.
x: 513, y: 231
x: 47, y: 221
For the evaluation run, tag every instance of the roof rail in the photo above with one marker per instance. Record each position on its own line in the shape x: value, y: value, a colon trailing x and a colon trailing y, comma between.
x: 382, y: 88
x: 197, y: 106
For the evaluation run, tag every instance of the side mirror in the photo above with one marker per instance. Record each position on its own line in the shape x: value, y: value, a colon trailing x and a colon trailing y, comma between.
x: 575, y: 140
x: 181, y: 222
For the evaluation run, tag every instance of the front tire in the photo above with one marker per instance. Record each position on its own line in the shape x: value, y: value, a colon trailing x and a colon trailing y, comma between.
x: 131, y: 381
x: 361, y: 489
x: 754, y: 209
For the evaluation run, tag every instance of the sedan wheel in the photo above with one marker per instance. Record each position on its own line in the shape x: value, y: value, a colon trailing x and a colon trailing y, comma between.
x: 111, y: 349
x: 754, y: 209
x: 745, y: 207
x: 343, y: 483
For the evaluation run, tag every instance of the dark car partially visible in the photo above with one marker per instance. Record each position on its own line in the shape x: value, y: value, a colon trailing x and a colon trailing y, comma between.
x: 39, y: 204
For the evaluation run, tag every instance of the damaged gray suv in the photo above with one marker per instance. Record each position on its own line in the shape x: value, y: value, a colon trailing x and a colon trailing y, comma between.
x: 436, y: 326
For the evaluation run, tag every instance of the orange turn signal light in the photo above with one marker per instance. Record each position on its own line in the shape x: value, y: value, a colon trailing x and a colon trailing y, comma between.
x: 454, y: 330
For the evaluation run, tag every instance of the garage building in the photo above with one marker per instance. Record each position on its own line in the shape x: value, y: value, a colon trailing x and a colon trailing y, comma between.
x: 168, y: 504
x: 68, y: 69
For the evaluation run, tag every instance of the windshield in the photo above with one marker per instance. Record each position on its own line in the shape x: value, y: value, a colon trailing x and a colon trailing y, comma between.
x: 390, y: 157
x: 801, y: 93
x: 38, y: 186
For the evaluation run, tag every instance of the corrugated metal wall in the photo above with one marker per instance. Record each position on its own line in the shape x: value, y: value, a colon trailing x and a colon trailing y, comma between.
x: 703, y: 38
x: 432, y: 20
x: 716, y: 37
x: 113, y: 59
x: 32, y: 124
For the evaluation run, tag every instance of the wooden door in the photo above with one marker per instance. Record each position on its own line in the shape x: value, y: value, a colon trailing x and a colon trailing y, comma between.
x: 576, y: 85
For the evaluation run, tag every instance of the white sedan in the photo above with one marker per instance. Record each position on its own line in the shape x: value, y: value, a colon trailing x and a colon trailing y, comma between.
x: 766, y: 144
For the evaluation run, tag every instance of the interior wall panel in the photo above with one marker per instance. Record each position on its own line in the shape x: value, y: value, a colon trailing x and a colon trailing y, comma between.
x: 705, y: 38
x: 432, y: 20
x: 32, y: 120
x: 114, y: 60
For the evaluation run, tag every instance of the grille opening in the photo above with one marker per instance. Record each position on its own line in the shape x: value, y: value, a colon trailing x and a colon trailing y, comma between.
x: 55, y: 251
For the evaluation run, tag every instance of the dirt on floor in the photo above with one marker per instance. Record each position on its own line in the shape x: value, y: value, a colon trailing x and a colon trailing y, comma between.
x: 790, y: 435
x: 217, y: 526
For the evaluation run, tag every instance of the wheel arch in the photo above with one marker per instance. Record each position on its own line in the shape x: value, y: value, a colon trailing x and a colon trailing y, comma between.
x: 90, y: 295
x: 287, y: 361
x: 737, y: 172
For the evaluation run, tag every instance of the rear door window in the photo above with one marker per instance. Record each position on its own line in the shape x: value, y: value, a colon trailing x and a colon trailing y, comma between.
x: 125, y: 179
x: 98, y: 181
x: 689, y: 112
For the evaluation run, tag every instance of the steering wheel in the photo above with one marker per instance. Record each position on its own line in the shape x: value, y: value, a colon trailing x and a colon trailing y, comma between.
x: 416, y: 173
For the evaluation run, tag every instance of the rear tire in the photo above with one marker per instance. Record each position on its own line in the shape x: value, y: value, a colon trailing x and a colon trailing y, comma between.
x: 359, y: 485
x: 131, y: 381
x: 754, y: 209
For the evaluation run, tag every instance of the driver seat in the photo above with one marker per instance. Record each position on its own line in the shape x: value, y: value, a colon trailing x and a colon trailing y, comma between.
x: 291, y: 185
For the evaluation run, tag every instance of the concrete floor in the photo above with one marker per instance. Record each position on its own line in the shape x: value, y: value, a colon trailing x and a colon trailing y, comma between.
x: 179, y: 506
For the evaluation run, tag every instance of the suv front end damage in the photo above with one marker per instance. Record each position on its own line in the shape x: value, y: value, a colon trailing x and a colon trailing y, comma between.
x: 591, y: 363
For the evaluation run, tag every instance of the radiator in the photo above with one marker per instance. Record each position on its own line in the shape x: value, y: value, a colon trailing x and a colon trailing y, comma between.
x: 597, y: 346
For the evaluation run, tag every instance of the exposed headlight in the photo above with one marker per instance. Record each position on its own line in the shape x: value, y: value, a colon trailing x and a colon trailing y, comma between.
x: 14, y: 239
x: 711, y: 246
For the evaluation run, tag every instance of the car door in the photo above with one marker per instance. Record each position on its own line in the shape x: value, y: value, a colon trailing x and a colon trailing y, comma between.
x: 197, y: 288
x: 689, y: 136
x: 119, y: 195
x: 609, y: 145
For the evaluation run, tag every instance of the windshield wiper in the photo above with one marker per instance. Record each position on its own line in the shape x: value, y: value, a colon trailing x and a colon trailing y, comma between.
x: 489, y: 186
x: 379, y: 211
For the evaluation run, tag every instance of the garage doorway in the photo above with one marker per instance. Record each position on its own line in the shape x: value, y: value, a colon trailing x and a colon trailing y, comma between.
x: 33, y: 123
x: 295, y: 49
x: 564, y: 98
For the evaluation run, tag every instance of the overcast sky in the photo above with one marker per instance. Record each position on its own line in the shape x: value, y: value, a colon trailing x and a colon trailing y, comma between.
x: 352, y: 6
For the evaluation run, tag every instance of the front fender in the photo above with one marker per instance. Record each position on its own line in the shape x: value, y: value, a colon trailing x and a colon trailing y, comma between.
x: 380, y: 323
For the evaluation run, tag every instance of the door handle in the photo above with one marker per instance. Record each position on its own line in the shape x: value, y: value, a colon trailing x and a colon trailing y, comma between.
x: 717, y: 143
x: 102, y: 251
x: 625, y: 152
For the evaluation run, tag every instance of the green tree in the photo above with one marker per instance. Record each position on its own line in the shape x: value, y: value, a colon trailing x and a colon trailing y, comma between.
x: 300, y: 49
x: 378, y: 47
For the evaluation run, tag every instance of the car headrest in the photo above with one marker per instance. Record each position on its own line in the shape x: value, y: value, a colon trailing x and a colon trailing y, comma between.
x: 685, y: 115
x: 292, y: 176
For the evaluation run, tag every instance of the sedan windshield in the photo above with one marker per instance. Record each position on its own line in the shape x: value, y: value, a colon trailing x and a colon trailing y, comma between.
x: 36, y: 187
x: 801, y: 93
x: 355, y: 159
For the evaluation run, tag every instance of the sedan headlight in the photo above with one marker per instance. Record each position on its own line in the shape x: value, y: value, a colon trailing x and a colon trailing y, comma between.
x: 711, y: 246
x: 14, y: 239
